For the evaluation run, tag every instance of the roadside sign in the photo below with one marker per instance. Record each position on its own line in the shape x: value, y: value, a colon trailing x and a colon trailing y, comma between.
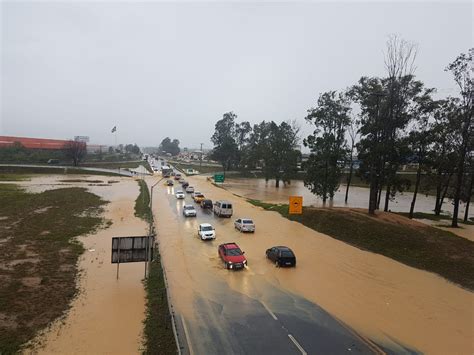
x: 219, y: 178
x: 132, y: 249
x: 296, y: 205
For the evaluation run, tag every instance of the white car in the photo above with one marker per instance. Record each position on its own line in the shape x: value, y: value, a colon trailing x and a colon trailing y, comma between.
x: 189, y: 211
x: 244, y: 225
x: 179, y: 195
x: 190, y: 189
x: 195, y: 193
x: 206, y: 231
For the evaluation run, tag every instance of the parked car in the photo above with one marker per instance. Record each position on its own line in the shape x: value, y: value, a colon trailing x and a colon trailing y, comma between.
x: 169, y: 183
x: 223, y: 208
x: 244, y: 225
x: 189, y: 211
x: 281, y: 256
x: 189, y: 189
x: 206, y: 231
x: 198, y: 197
x: 232, y: 256
x: 206, y: 204
x: 180, y: 195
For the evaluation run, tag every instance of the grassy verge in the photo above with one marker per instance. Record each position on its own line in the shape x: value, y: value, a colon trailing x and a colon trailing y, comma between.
x: 433, y: 217
x: 158, y: 337
x: 158, y: 331
x: 142, y: 203
x: 29, y: 170
x: 38, y: 259
x: 119, y: 165
x: 205, y: 169
x: 394, y: 236
x: 14, y: 177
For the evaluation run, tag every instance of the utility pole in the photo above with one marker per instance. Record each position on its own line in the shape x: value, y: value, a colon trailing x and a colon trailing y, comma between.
x: 200, y: 158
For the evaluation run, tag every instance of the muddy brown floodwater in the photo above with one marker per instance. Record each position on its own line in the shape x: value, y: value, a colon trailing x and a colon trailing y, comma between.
x: 106, y: 317
x: 358, y: 196
x: 391, y: 303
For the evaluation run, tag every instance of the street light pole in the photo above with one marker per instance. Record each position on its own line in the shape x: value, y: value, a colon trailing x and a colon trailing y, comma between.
x: 200, y: 158
x: 151, y: 228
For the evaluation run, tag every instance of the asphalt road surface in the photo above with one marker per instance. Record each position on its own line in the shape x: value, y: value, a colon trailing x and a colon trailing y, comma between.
x: 237, y: 312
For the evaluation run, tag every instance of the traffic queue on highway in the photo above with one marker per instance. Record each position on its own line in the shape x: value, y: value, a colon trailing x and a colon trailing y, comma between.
x: 230, y: 253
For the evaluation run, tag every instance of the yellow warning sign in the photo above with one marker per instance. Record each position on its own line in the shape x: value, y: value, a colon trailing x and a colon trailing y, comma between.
x: 296, y: 205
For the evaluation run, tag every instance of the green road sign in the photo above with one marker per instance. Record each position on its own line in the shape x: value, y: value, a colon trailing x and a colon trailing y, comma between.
x: 219, y: 178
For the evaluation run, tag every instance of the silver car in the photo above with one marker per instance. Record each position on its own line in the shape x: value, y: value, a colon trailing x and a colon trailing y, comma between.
x: 244, y: 225
x: 189, y: 211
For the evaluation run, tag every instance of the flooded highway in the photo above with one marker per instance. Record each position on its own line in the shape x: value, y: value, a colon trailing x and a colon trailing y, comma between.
x: 338, y: 299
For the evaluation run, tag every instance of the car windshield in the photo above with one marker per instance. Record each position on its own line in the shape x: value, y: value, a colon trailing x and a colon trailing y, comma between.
x: 188, y: 207
x: 233, y: 252
x: 206, y: 228
x: 247, y: 221
x: 287, y: 254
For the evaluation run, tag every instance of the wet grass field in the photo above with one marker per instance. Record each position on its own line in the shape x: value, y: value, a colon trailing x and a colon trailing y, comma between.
x: 38, y: 258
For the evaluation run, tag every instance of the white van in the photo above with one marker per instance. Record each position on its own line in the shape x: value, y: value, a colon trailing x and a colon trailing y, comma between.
x: 222, y: 208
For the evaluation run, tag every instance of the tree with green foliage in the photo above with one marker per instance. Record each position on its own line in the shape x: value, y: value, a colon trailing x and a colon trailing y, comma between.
x: 327, y: 144
x: 170, y: 146
x: 282, y: 152
x: 461, y: 69
x: 226, y: 149
x: 132, y: 148
x: 420, y: 139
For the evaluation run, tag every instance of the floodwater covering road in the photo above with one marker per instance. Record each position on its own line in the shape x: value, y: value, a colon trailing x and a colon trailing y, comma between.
x: 338, y: 299
x: 106, y: 317
x: 358, y: 196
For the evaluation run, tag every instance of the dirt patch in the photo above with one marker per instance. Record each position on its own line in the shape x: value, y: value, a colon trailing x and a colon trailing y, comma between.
x: 39, y: 225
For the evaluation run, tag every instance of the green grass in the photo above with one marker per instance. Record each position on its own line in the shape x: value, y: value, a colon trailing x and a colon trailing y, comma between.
x: 142, y: 203
x: 158, y: 332
x: 204, y: 169
x: 433, y: 217
x: 158, y: 337
x: 14, y: 177
x: 29, y: 170
x: 422, y: 247
x: 39, y: 254
x: 119, y: 165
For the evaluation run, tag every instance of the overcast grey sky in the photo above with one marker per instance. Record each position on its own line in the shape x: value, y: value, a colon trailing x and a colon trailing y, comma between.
x: 157, y: 69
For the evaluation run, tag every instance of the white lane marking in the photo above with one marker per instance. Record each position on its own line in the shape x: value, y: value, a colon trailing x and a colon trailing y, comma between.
x: 268, y: 310
x: 300, y: 348
x: 188, y: 339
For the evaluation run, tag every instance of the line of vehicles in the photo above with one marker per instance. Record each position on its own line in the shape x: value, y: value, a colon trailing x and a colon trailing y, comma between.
x: 230, y: 253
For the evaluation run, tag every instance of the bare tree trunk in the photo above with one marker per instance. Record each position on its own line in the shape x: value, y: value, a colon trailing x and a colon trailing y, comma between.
x: 349, y: 178
x: 379, y: 196
x: 417, y: 184
x: 443, y: 195
x: 468, y: 201
x: 373, y: 191
x: 438, y: 195
x: 460, y: 169
x: 387, y: 198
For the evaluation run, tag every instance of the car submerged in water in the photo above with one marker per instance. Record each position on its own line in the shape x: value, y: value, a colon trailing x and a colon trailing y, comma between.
x: 281, y: 256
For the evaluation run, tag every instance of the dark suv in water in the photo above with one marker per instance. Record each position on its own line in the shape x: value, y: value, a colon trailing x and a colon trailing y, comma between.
x: 281, y: 256
x: 206, y: 204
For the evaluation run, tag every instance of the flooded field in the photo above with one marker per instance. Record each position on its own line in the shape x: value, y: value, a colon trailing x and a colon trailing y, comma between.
x: 393, y: 305
x: 358, y: 196
x: 107, y: 315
